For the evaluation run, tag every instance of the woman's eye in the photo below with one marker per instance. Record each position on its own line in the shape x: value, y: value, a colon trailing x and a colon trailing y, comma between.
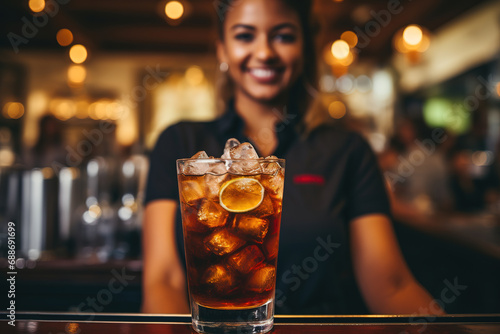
x: 286, y: 38
x: 245, y: 37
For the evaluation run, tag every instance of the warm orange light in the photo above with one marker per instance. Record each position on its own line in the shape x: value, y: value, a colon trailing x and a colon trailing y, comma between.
x: 174, y: 10
x: 347, y: 60
x: 350, y: 37
x: 13, y: 110
x: 37, y: 5
x: 498, y: 88
x: 340, y: 49
x: 82, y: 109
x: 194, y: 75
x: 100, y: 110
x: 412, y: 35
x: 425, y: 43
x: 337, y: 109
x: 64, y: 37
x: 78, y: 54
x: 412, y: 41
x: 76, y: 74
x: 64, y: 109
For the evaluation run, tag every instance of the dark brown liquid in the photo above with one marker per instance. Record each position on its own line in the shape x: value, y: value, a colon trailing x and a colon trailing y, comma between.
x: 231, y: 257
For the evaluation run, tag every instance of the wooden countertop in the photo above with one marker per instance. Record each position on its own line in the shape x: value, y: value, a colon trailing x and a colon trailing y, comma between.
x: 45, y: 323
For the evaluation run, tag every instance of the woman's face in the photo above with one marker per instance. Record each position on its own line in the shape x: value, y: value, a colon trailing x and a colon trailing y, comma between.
x: 263, y: 46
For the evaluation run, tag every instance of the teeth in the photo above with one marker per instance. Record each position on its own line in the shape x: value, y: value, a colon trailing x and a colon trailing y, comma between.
x: 262, y: 73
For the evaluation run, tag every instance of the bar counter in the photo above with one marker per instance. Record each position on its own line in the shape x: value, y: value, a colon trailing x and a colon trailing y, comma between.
x: 71, y: 323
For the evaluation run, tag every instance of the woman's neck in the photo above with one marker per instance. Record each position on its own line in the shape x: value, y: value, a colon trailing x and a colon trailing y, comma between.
x: 260, y: 122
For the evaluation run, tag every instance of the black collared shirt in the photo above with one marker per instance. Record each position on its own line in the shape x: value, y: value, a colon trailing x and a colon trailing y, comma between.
x: 331, y: 177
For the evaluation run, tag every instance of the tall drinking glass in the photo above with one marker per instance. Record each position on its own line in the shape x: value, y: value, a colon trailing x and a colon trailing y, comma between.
x: 231, y: 213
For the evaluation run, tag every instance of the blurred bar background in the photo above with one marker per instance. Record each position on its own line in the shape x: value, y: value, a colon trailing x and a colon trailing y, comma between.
x: 86, y: 87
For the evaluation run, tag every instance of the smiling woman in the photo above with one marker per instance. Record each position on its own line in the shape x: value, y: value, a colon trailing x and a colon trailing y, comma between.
x: 267, y: 52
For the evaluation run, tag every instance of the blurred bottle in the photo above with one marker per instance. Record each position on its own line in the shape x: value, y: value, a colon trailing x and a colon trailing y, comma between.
x: 70, y: 197
x: 130, y: 209
x: 10, y: 184
x: 39, y: 218
x: 97, y: 219
x: 10, y: 205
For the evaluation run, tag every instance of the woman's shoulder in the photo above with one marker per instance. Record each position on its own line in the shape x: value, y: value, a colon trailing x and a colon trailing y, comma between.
x: 186, y: 130
x: 340, y: 136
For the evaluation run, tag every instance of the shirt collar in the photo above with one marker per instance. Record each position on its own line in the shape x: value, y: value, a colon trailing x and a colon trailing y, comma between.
x: 231, y: 125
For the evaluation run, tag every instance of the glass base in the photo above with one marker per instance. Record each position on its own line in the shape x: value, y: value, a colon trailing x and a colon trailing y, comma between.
x: 257, y: 319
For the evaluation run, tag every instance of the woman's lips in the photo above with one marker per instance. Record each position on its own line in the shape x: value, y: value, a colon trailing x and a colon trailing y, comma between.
x: 265, y: 75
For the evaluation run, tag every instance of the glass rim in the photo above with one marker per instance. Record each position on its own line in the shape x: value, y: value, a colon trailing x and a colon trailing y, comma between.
x: 224, y: 160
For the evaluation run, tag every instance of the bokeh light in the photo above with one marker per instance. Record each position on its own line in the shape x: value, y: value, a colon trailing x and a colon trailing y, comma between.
x: 64, y: 37
x: 412, y: 35
x: 174, y: 10
x: 37, y: 5
x: 345, y: 84
x: 337, y: 109
x: 498, y: 88
x: 78, y: 54
x: 63, y: 109
x: 82, y: 109
x: 350, y: 37
x: 363, y: 83
x: 340, y: 49
x: 482, y: 158
x: 347, y: 60
x: 76, y: 74
x: 327, y: 83
x: 194, y: 75
x: 13, y: 110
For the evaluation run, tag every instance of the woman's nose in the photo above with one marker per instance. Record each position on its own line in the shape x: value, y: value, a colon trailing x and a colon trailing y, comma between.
x: 264, y: 50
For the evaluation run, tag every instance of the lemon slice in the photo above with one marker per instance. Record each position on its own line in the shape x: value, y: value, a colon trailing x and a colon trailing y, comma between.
x: 241, y: 195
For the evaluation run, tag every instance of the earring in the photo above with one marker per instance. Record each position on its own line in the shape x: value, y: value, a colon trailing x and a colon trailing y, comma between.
x: 223, y: 67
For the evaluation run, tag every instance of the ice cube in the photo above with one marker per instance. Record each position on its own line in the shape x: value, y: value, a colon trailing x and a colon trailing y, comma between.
x: 196, y: 167
x: 246, y: 259
x: 262, y: 279
x: 190, y: 220
x: 270, y: 167
x: 214, y: 178
x: 230, y: 143
x: 274, y: 183
x: 222, y: 242
x: 245, y: 151
x: 212, y: 214
x: 252, y: 228
x: 271, y: 247
x: 196, y: 247
x: 219, y: 279
x: 265, y: 208
x: 191, y: 191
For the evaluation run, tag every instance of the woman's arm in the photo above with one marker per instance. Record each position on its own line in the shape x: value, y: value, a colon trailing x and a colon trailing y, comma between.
x: 386, y: 283
x: 164, y: 287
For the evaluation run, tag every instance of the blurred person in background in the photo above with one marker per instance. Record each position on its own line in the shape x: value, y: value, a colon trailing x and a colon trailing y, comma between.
x: 335, y: 204
x: 49, y: 149
x: 473, y: 180
x: 417, y: 170
x: 474, y: 188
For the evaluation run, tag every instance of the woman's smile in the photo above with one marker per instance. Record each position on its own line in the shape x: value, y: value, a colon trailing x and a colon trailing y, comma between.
x: 265, y: 75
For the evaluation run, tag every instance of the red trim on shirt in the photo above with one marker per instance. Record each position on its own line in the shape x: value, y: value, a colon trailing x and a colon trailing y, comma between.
x: 309, y: 179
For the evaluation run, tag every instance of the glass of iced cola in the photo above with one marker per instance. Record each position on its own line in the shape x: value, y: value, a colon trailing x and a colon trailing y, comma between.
x: 231, y: 211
